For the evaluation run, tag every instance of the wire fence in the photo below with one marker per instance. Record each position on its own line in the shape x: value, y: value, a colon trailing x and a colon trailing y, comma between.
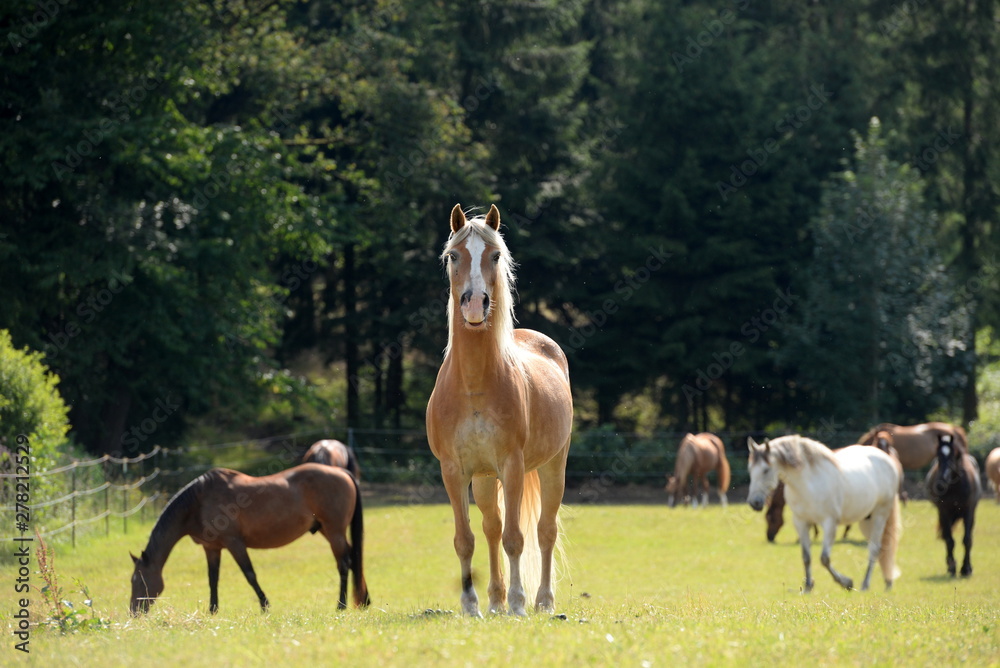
x: 111, y: 488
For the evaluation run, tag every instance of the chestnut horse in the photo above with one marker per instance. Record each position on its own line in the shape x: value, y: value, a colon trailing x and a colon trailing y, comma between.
x: 333, y: 453
x: 826, y: 488
x: 916, y: 445
x: 954, y: 487
x: 992, y: 467
x: 499, y: 418
x: 226, y: 509
x: 697, y: 456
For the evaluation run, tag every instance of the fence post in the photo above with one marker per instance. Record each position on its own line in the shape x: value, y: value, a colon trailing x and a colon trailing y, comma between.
x: 72, y: 516
x: 107, y: 509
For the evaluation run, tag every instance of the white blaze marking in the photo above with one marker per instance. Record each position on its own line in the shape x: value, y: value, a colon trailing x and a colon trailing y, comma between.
x: 476, y: 248
x: 945, y: 450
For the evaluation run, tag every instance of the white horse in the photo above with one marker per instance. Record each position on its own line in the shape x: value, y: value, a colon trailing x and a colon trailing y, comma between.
x: 825, y: 488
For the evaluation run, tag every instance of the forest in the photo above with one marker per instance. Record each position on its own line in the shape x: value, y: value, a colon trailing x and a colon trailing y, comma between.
x: 225, y: 218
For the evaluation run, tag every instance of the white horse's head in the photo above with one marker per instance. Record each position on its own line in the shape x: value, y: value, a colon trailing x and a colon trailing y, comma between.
x: 763, y: 474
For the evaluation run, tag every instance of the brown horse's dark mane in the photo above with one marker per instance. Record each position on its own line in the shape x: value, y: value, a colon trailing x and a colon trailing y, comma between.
x: 179, y: 505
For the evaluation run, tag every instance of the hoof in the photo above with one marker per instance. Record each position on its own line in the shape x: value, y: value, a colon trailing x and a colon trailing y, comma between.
x: 966, y: 572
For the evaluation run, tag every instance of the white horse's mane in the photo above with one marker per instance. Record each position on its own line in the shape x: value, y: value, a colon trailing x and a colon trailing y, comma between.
x: 502, y: 320
x: 797, y: 451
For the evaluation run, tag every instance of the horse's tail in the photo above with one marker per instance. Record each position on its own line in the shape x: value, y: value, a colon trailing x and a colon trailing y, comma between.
x: 352, y: 464
x: 890, y: 541
x: 531, y: 512
x: 723, y: 470
x: 361, y: 598
x: 962, y: 438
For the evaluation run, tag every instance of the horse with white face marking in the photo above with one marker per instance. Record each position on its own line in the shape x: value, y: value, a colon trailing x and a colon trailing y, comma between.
x: 826, y: 488
x: 954, y: 486
x: 499, y: 418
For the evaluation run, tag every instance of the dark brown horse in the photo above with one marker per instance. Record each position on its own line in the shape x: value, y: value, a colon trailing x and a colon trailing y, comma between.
x: 333, y: 453
x: 916, y: 445
x: 226, y: 509
x: 953, y: 485
x: 697, y: 456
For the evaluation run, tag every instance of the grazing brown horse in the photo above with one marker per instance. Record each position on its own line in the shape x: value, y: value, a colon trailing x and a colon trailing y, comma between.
x: 954, y: 487
x: 333, y: 453
x: 226, y: 509
x: 499, y: 418
x: 916, y: 445
x: 697, y: 456
x: 992, y: 467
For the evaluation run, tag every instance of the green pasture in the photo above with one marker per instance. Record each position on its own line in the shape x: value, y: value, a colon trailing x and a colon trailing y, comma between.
x: 644, y: 586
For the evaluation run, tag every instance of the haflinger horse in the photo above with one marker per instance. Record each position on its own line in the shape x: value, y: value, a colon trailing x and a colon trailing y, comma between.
x: 697, y: 456
x: 826, y: 488
x: 954, y: 487
x: 499, y: 418
x: 333, y: 453
x: 992, y: 467
x: 916, y: 445
x: 226, y: 509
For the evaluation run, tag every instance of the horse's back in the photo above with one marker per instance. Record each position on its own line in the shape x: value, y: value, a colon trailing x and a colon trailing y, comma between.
x: 870, y: 478
x: 536, y: 343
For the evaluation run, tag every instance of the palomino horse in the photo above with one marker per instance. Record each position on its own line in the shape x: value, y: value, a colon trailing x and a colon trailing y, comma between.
x: 953, y: 485
x: 697, y: 456
x: 992, y: 467
x: 826, y: 488
x: 499, y: 418
x: 916, y: 446
x: 333, y: 453
x: 228, y: 509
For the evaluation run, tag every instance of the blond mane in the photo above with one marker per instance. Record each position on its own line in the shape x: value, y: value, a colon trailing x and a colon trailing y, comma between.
x: 797, y: 451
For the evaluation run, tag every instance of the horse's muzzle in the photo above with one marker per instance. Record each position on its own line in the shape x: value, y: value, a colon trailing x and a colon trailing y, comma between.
x: 756, y: 502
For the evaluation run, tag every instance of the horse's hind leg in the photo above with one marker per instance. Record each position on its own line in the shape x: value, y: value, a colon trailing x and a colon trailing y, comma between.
x: 239, y: 552
x: 705, y: 488
x: 552, y: 478
x: 485, y: 492
x: 342, y: 555
x: 214, y: 557
x: 876, y: 529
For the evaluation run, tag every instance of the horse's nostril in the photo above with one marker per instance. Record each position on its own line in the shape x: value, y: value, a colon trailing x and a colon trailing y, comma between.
x: 466, y: 296
x: 486, y: 302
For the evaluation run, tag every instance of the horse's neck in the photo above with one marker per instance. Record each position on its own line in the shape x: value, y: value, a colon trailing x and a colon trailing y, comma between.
x: 477, y: 358
x: 163, y: 538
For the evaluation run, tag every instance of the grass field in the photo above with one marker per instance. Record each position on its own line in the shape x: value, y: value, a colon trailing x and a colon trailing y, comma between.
x: 645, y: 586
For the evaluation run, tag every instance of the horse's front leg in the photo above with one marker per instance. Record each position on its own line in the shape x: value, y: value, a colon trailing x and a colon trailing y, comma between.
x: 456, y: 483
x: 829, y: 535
x: 214, y: 557
x: 949, y: 542
x: 705, y: 488
x: 485, y: 492
x: 239, y: 552
x: 513, y: 537
x: 802, y: 528
x: 970, y: 520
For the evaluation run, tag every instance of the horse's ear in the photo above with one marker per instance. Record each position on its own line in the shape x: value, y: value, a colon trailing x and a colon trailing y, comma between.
x: 135, y: 559
x: 457, y: 218
x: 493, y: 217
x: 752, y: 444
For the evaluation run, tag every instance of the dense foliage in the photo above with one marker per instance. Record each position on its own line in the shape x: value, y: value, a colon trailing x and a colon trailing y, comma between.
x: 210, y: 207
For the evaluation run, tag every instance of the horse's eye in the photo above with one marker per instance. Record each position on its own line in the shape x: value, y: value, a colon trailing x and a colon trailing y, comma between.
x: 453, y: 256
x: 496, y: 257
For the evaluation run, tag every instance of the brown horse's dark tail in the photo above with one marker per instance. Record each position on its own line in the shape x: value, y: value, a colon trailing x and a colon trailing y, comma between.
x: 361, y: 598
